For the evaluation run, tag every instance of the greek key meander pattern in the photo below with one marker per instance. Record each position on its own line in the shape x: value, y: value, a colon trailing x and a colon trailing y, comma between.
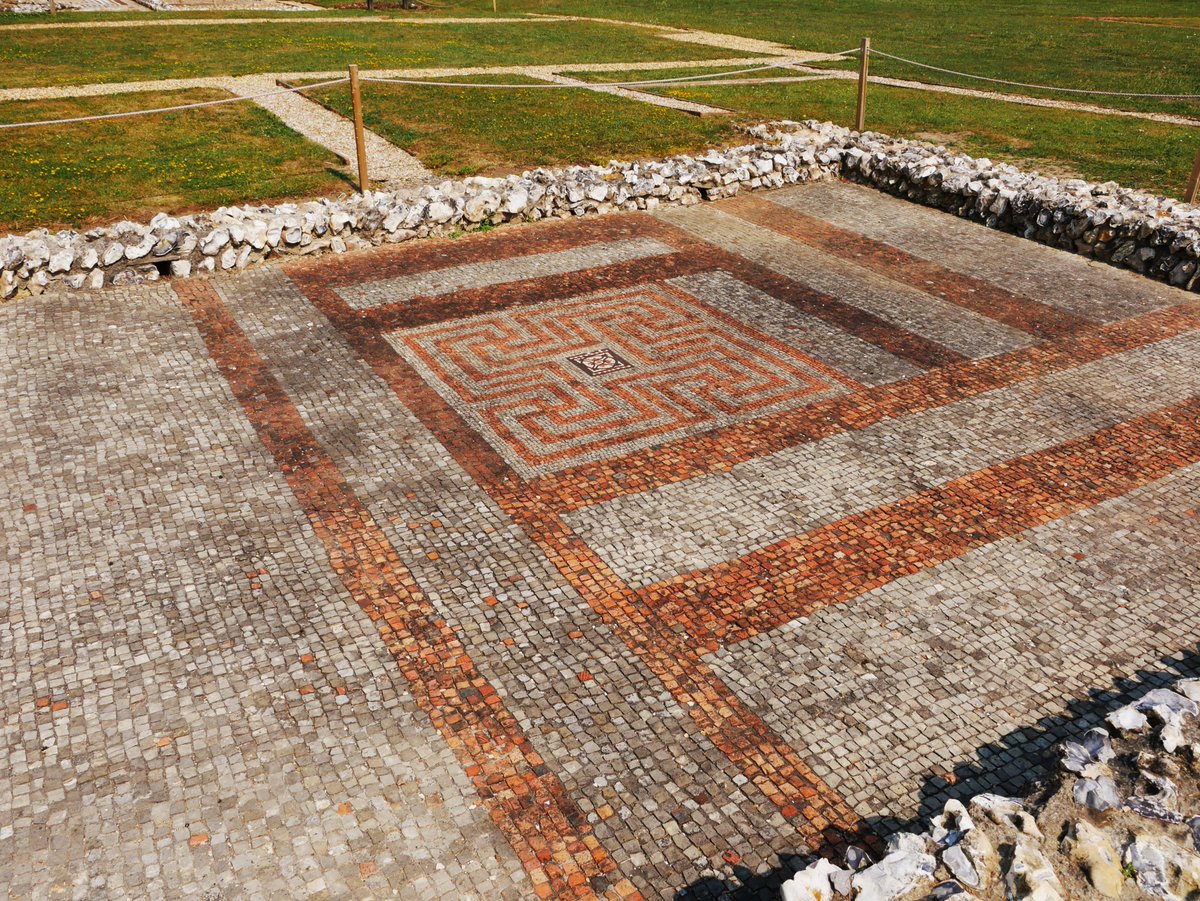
x: 594, y: 559
x: 514, y: 374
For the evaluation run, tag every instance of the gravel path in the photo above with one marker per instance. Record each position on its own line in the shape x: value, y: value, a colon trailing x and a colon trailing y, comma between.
x: 386, y: 162
x: 686, y: 106
x: 733, y: 42
x: 271, y: 5
x: 695, y: 36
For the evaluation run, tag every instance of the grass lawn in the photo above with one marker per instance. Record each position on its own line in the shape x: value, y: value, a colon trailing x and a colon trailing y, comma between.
x: 49, y: 57
x: 82, y: 174
x: 77, y: 175
x: 1135, y: 152
x: 1069, y: 43
x: 331, y: 9
x: 468, y: 131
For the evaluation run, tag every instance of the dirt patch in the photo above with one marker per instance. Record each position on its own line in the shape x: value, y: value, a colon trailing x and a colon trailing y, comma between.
x: 389, y: 5
x: 1125, y: 20
x: 948, y: 139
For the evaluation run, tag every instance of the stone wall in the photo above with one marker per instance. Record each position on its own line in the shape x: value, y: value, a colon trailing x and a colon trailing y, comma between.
x: 1120, y: 820
x: 1152, y: 235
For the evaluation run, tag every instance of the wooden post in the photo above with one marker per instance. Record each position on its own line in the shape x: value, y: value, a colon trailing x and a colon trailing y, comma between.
x: 1193, y: 185
x: 360, y: 143
x: 864, y: 62
x: 53, y: 7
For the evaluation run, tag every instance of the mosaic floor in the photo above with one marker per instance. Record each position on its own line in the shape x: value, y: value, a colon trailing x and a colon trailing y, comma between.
x: 635, y: 557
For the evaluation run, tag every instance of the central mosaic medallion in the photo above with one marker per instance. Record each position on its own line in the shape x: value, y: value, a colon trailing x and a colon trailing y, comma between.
x: 600, y: 362
x: 526, y: 378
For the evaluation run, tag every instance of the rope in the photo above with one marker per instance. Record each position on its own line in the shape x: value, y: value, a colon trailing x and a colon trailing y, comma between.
x: 169, y: 109
x: 589, y: 84
x: 325, y: 84
x: 1037, y: 87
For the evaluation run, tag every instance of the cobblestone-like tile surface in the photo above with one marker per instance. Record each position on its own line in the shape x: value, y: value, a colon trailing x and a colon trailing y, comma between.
x: 615, y: 558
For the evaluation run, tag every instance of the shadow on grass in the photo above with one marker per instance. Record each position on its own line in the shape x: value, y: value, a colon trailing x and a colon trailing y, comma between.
x: 1012, y: 765
x: 343, y: 174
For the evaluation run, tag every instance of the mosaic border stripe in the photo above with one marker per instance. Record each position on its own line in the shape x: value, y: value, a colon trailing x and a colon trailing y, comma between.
x: 411, y: 257
x: 690, y: 250
x: 833, y: 564
x: 770, y: 499
x: 973, y: 294
x: 958, y: 332
x: 821, y: 817
x: 505, y: 270
x: 721, y: 449
x: 1067, y: 281
x: 527, y: 803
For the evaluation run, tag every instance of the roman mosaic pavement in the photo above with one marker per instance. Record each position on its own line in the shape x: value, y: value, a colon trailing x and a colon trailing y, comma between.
x: 632, y: 557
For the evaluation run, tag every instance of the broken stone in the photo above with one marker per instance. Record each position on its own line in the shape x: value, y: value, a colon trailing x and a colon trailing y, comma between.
x: 902, y: 871
x: 812, y: 883
x: 114, y: 252
x: 1089, y: 756
x: 1162, y: 868
x: 973, y: 861
x: 439, y: 211
x: 996, y: 808
x: 949, y: 826
x: 1097, y: 794
x: 857, y: 858
x: 141, y: 249
x: 1189, y: 688
x: 481, y: 206
x: 1030, y: 876
x: 61, y: 260
x: 217, y: 239
x: 1093, y: 852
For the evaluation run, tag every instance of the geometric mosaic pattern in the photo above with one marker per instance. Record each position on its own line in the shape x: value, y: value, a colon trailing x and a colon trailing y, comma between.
x: 625, y: 558
x: 599, y: 362
x: 675, y: 367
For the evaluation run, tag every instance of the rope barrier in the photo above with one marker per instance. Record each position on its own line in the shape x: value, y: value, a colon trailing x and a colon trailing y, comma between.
x: 684, y: 79
x: 170, y: 109
x: 1037, y: 87
x: 560, y: 86
x: 404, y: 81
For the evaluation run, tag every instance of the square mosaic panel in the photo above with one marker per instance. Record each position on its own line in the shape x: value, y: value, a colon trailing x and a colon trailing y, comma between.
x: 600, y: 362
x: 559, y: 384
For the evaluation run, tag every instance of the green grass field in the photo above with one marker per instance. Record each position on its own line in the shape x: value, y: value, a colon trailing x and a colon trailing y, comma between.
x: 1060, y: 43
x: 50, y: 57
x: 1146, y: 47
x: 78, y: 174
x: 1152, y: 155
x: 466, y: 131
